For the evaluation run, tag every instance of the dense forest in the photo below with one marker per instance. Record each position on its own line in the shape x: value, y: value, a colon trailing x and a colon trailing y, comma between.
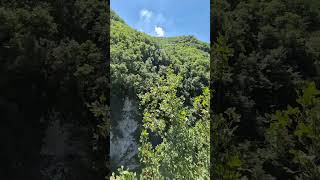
x: 265, y: 100
x: 54, y: 89
x: 247, y: 106
x: 169, y: 77
x: 265, y: 67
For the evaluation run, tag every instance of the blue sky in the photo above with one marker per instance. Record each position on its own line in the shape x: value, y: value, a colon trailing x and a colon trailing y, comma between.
x: 166, y: 18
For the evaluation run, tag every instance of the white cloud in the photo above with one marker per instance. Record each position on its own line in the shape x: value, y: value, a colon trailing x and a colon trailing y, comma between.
x: 146, y: 15
x: 159, y: 31
x: 152, y: 23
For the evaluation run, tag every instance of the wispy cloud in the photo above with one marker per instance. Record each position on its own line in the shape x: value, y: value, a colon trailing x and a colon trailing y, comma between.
x: 159, y: 31
x: 145, y: 15
x: 151, y: 22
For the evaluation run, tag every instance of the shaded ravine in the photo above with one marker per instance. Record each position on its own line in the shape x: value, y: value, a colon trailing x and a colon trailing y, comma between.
x: 124, y: 133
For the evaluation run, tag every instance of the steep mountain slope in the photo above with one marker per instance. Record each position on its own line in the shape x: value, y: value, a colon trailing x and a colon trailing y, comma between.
x: 161, y: 78
x: 136, y: 56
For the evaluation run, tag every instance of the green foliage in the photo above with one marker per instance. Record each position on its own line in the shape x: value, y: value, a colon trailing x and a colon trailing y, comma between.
x: 184, y: 148
x: 262, y: 54
x: 271, y: 55
x: 170, y: 78
x: 137, y: 59
x: 221, y: 52
x: 123, y: 175
x: 226, y: 159
x: 296, y: 131
x: 102, y: 112
x: 53, y: 57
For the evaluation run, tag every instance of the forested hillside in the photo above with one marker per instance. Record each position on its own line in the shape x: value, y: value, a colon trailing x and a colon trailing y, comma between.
x: 247, y: 106
x: 169, y: 80
x: 265, y: 66
x: 53, y: 89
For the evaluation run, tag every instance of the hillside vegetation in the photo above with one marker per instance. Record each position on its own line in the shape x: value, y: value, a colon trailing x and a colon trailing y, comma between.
x: 54, y: 80
x: 170, y: 78
x: 265, y: 65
